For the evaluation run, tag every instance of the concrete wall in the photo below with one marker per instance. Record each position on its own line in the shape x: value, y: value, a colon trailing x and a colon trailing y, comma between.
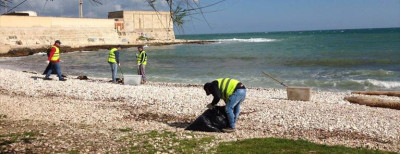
x: 123, y: 27
x: 24, y: 31
x: 149, y: 24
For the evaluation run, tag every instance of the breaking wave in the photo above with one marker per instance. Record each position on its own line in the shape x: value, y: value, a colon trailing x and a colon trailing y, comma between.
x: 377, y: 83
x: 247, y: 40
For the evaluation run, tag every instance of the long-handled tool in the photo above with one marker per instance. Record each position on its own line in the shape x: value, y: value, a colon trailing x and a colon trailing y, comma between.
x: 275, y: 79
x: 295, y: 93
x: 122, y: 72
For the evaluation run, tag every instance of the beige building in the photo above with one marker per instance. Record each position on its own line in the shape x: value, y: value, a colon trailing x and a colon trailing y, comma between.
x: 122, y: 27
x: 139, y: 25
x: 30, y: 31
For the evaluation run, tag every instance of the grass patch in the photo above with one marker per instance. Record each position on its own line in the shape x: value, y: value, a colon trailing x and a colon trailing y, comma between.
x: 273, y: 145
x: 125, y: 129
x: 73, y: 152
x: 168, y: 142
x: 3, y: 116
x: 25, y: 137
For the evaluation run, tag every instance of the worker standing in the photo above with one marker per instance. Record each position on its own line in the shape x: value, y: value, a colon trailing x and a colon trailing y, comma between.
x: 54, y: 61
x: 141, y: 63
x: 113, y: 60
x: 232, y: 92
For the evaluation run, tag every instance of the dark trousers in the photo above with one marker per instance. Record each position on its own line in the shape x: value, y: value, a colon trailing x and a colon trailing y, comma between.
x: 56, y: 66
x: 48, y: 68
x: 142, y: 71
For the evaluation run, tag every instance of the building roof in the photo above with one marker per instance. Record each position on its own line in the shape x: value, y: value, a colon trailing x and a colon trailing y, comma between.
x: 23, y: 13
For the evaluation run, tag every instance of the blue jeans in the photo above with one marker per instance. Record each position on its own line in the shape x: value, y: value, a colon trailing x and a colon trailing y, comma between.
x: 114, y: 68
x: 232, y: 108
x: 56, y: 66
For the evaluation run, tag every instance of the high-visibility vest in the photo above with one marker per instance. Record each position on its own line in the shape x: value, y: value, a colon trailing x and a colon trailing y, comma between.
x: 111, y: 55
x: 139, y: 58
x: 227, y: 86
x: 56, y: 55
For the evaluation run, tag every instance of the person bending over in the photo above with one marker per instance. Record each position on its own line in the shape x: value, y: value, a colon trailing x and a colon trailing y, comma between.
x: 232, y: 92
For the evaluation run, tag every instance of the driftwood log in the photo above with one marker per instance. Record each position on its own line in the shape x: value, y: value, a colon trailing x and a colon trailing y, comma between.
x: 388, y: 93
x: 374, y: 102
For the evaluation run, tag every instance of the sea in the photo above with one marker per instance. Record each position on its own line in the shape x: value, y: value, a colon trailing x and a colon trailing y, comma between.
x: 328, y: 60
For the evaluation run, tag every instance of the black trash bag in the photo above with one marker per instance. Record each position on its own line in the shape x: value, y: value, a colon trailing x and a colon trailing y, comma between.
x: 212, y: 120
x: 48, y: 68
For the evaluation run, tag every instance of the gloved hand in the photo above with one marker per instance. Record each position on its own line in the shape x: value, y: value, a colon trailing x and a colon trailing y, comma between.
x: 47, y: 62
x: 210, y: 106
x: 119, y: 64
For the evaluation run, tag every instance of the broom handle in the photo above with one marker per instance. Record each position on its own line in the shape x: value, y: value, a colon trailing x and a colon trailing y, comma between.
x: 275, y: 79
x: 120, y: 68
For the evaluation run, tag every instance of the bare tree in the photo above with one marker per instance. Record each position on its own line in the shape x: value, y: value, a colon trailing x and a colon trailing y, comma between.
x: 182, y: 9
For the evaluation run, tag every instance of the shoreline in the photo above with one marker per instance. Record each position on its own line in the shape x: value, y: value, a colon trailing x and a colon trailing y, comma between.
x: 326, y: 119
x: 26, y: 51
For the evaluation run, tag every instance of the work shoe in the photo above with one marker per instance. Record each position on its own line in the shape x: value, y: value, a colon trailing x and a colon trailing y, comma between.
x: 63, y: 80
x: 47, y: 79
x: 228, y: 130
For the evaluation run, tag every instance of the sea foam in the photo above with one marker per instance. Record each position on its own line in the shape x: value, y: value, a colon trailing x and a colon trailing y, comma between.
x: 247, y: 40
x: 377, y: 83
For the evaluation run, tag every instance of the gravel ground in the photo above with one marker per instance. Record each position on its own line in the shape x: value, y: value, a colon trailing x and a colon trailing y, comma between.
x: 104, y: 107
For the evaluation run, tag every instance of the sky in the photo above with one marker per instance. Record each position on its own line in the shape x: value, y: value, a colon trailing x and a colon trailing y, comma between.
x: 236, y: 16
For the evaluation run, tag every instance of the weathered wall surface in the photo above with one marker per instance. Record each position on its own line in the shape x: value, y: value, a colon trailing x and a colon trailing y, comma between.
x: 123, y: 27
x: 149, y: 24
x: 23, y: 31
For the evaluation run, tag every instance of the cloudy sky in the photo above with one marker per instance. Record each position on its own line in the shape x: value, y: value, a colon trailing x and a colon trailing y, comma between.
x: 234, y: 16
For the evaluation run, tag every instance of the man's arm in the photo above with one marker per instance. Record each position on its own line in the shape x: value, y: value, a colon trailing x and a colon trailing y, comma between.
x: 142, y: 60
x: 53, y: 50
x: 117, y: 56
x: 214, y: 90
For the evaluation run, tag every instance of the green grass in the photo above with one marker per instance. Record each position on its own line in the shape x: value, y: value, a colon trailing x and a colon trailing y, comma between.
x: 273, y: 145
x: 73, y: 152
x: 125, y: 129
x: 169, y: 142
x: 25, y: 137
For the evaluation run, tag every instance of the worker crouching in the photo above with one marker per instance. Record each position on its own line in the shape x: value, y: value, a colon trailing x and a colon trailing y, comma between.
x: 232, y: 92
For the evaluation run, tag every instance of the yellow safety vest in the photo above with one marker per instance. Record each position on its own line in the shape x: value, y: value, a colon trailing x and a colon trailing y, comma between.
x: 111, y: 55
x: 227, y: 86
x: 139, y: 58
x: 56, y: 55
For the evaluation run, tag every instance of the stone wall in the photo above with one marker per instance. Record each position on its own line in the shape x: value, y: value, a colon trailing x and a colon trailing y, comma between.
x: 122, y: 27
x: 143, y: 24
x: 24, y: 31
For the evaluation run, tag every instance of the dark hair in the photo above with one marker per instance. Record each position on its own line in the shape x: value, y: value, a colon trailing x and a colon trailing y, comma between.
x: 119, y: 46
x: 207, y: 86
x: 140, y: 46
x: 58, y: 41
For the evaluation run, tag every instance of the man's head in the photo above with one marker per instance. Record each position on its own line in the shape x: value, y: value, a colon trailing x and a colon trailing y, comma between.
x: 140, y: 48
x: 58, y: 43
x: 207, y: 87
x: 119, y: 47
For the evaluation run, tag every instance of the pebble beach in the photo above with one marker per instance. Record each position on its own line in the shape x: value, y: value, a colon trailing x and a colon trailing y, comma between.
x: 103, y: 107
